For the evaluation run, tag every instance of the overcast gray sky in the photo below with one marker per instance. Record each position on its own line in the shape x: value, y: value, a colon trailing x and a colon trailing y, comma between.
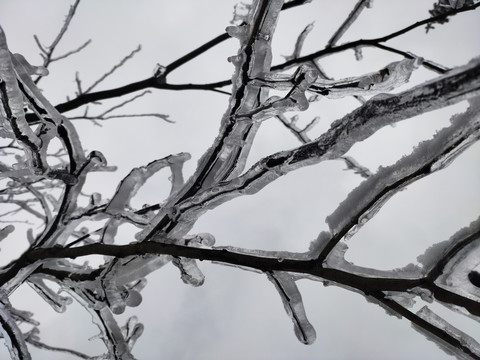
x: 238, y: 314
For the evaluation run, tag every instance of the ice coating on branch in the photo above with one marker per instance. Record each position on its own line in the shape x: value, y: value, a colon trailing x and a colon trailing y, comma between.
x: 200, y: 240
x: 425, y: 294
x: 317, y: 245
x: 336, y: 259
x: 385, y: 80
x: 130, y: 185
x: 111, y: 334
x: 189, y: 271
x: 4, y: 232
x: 113, y: 293
x: 226, y: 157
x: 429, y: 156
x: 456, y: 271
x: 12, y: 114
x: 30, y: 69
x: 131, y: 331
x: 389, y: 311
x: 61, y: 126
x: 295, y: 100
x: 292, y: 301
x: 12, y: 335
x: 403, y: 298
x: 133, y: 269
x: 357, y: 168
x: 466, y: 341
x: 299, y: 43
x: 240, y: 32
x: 240, y: 13
x: 57, y: 302
x: 440, y: 250
x: 280, y: 255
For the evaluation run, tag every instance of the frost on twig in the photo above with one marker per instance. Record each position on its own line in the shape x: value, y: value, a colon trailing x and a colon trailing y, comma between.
x: 456, y: 261
x: 444, y: 6
x: 429, y: 156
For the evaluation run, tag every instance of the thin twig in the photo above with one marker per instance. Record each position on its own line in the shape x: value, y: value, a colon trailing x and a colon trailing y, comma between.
x: 42, y: 345
x: 152, y: 82
x: 359, y: 6
x: 47, y: 54
x: 112, y: 70
x: 440, y: 69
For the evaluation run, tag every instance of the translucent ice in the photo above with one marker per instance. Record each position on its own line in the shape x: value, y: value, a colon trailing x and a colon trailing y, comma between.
x: 292, y: 301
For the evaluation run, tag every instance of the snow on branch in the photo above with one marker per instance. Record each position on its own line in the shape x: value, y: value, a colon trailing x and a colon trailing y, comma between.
x: 429, y: 156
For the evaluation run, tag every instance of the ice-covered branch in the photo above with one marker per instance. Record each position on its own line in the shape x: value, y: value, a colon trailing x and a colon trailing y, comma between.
x: 292, y: 301
x: 33, y: 339
x: 12, y: 114
x: 369, y: 42
x: 431, y: 326
x: 384, y: 80
x: 227, y: 156
x: 376, y: 113
x: 12, y: 335
x: 47, y: 51
x: 152, y: 82
x: 429, y: 156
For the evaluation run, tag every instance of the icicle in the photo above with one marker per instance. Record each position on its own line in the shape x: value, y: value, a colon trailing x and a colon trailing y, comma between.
x: 190, y: 273
x: 113, y: 293
x: 30, y: 69
x: 131, y: 331
x: 292, y: 301
x: 200, y: 240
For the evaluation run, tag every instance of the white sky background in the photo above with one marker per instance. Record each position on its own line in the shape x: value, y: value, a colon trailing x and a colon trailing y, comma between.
x: 238, y: 314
